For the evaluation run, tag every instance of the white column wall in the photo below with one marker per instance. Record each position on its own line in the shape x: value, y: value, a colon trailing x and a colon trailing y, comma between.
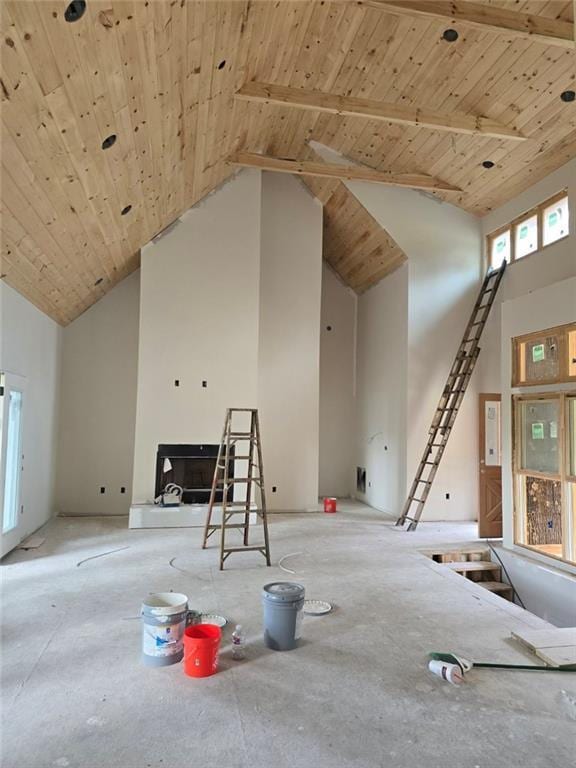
x: 289, y: 341
x: 198, y: 322
x: 337, y: 386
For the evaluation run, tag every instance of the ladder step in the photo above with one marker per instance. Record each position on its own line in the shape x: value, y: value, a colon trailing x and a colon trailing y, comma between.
x: 234, y: 525
x: 241, y: 435
x: 236, y: 480
x: 495, y: 586
x: 262, y: 549
x: 474, y: 566
x: 239, y: 504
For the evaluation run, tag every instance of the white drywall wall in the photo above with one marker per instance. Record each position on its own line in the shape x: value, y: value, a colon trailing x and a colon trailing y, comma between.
x: 199, y: 314
x: 289, y: 342
x: 98, y: 405
x: 381, y: 393
x: 544, y: 308
x: 551, y: 265
x: 30, y: 347
x: 444, y: 249
x: 544, y: 589
x: 337, y: 385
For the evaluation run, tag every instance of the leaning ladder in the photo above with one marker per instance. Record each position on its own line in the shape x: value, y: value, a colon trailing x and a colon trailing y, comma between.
x: 451, y: 399
x: 224, y: 480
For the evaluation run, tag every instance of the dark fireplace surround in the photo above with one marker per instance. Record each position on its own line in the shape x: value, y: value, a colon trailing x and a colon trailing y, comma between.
x: 192, y: 469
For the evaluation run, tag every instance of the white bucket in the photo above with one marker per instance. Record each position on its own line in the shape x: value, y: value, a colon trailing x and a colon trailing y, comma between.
x: 163, y: 624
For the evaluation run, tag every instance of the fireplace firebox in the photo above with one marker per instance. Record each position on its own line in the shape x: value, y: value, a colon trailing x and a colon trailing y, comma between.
x: 192, y: 468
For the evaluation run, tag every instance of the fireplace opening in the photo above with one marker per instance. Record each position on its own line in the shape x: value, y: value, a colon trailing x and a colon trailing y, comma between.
x: 192, y: 468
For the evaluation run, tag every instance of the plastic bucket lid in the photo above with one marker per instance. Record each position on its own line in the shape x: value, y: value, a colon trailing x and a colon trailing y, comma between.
x: 283, y: 592
x: 165, y: 603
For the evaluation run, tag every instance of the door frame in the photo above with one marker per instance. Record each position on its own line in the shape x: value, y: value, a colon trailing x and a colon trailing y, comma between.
x: 11, y: 382
x: 484, y: 397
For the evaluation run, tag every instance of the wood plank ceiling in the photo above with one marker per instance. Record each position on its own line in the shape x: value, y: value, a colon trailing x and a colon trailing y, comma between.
x: 161, y: 77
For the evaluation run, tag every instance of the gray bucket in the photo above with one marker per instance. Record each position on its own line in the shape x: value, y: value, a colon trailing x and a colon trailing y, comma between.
x: 163, y: 623
x: 283, y: 602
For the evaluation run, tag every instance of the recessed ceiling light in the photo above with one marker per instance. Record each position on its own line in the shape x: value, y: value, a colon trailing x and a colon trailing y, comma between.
x: 450, y: 35
x: 126, y: 210
x: 109, y: 141
x: 75, y: 10
x: 568, y: 96
x: 488, y: 164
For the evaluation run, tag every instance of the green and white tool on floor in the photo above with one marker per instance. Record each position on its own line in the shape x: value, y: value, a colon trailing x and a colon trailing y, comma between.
x: 466, y: 665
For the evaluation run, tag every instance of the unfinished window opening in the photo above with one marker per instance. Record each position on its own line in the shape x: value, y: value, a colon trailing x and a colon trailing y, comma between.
x: 536, y: 229
x: 544, y: 449
x: 546, y: 357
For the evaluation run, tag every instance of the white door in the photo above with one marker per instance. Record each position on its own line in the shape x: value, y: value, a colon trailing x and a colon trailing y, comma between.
x: 12, y: 402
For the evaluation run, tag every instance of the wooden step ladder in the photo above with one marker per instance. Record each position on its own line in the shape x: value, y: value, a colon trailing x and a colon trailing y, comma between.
x: 224, y: 480
x: 452, y: 396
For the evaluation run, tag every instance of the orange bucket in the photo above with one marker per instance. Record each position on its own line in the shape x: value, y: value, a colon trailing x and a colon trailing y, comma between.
x: 201, y: 646
x: 330, y: 504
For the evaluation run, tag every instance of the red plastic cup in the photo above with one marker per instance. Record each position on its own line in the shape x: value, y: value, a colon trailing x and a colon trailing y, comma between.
x: 330, y: 505
x: 201, y: 646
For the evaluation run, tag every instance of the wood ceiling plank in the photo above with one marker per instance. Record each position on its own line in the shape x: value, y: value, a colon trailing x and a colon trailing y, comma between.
x: 268, y: 163
x: 498, y: 20
x: 375, y: 110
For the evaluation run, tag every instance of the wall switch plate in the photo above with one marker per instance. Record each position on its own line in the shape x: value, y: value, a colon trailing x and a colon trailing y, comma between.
x: 448, y: 496
x: 102, y: 489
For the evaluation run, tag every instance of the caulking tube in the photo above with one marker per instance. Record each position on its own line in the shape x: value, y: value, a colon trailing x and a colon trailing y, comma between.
x: 450, y: 672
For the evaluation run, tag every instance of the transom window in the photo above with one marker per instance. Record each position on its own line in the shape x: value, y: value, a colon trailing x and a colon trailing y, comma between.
x: 541, y: 226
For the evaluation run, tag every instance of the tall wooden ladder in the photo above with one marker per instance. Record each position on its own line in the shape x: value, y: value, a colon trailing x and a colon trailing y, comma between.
x: 238, y: 446
x: 449, y: 405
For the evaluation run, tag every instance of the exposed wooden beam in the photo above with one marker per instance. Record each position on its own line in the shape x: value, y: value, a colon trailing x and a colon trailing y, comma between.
x: 487, y: 17
x: 349, y: 172
x: 375, y: 110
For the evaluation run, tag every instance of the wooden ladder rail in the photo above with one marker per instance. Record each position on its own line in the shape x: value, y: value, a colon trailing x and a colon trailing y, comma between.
x: 451, y: 400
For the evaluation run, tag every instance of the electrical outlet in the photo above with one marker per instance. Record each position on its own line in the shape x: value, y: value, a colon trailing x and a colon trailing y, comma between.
x: 123, y: 490
x: 204, y: 384
x: 176, y: 382
x: 274, y: 489
x: 102, y: 489
x: 448, y: 496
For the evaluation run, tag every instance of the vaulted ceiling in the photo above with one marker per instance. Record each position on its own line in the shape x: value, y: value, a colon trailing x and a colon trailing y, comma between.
x: 162, y: 76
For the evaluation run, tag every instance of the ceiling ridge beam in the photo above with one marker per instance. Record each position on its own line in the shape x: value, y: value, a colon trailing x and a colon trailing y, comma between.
x: 487, y: 17
x: 348, y: 172
x: 352, y: 106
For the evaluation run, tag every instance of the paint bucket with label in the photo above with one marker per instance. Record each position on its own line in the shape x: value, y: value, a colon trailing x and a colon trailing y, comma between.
x: 330, y: 504
x: 450, y: 672
x: 163, y: 623
x: 283, y: 602
x: 201, y: 646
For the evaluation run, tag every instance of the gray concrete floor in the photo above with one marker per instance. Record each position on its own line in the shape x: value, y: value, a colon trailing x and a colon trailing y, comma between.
x: 356, y: 694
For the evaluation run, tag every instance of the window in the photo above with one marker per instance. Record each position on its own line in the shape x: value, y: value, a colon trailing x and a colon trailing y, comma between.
x: 555, y: 221
x: 500, y: 249
x: 544, y: 473
x: 526, y: 234
x: 546, y: 357
x: 534, y: 230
